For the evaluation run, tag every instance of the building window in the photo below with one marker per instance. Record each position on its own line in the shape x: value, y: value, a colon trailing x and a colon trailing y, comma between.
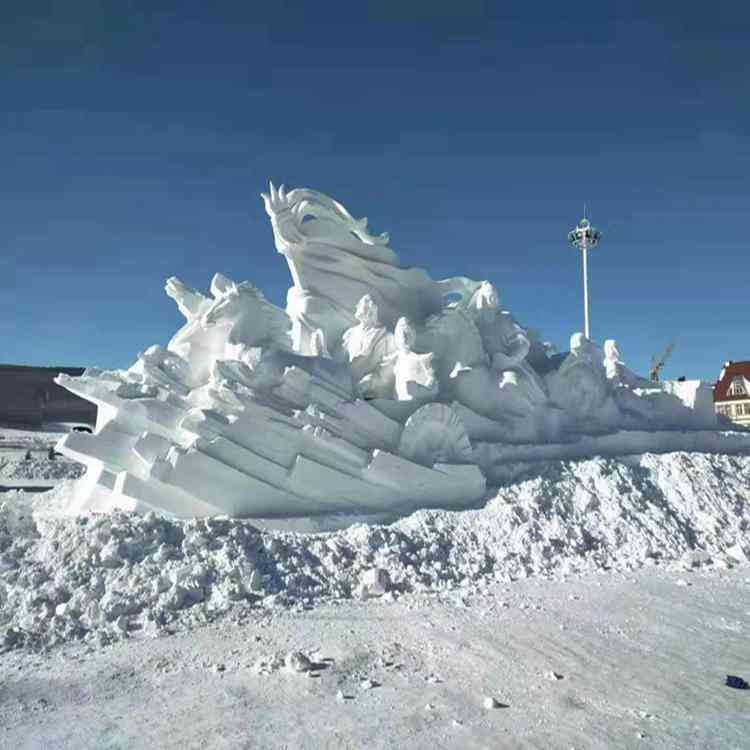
x: 734, y: 410
x: 737, y: 387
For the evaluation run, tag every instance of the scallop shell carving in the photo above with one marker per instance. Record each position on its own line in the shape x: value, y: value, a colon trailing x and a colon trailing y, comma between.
x: 435, y: 434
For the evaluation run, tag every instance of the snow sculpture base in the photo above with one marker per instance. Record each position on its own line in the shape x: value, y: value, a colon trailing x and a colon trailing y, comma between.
x: 377, y: 391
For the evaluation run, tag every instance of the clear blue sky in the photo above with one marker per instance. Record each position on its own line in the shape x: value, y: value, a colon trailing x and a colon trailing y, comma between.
x: 136, y: 137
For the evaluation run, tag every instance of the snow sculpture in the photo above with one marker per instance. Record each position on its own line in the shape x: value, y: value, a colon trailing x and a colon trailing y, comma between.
x: 334, y: 261
x: 506, y: 343
x: 612, y: 365
x: 235, y: 324
x: 580, y: 386
x: 368, y: 349
x: 318, y: 344
x: 414, y: 374
x: 454, y: 338
x: 504, y: 340
x: 378, y: 390
x: 482, y: 357
x: 230, y: 419
x: 618, y: 374
x: 435, y: 433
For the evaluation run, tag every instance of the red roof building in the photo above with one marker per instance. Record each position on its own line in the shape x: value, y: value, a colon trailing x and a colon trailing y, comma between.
x: 732, y: 392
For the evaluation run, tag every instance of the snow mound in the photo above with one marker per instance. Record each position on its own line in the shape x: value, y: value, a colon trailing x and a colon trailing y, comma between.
x: 103, y: 577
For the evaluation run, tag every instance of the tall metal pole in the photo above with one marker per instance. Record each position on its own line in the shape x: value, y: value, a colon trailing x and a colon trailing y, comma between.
x: 584, y: 236
x: 586, y: 328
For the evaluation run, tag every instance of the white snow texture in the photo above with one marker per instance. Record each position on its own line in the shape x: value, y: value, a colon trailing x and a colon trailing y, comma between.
x: 105, y: 576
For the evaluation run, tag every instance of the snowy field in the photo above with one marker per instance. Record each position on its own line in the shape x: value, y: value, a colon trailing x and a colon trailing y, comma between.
x: 598, y: 604
x: 24, y: 459
x: 639, y: 661
x: 37, y: 468
x: 33, y: 437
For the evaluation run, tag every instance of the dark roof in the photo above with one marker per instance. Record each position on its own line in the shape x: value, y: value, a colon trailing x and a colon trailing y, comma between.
x: 731, y: 371
x: 32, y: 368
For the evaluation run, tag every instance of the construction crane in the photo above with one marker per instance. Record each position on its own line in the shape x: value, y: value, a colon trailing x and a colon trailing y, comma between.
x: 657, y: 363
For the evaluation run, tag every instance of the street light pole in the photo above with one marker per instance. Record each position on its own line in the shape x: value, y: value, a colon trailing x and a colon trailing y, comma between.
x: 584, y: 236
x: 584, y: 251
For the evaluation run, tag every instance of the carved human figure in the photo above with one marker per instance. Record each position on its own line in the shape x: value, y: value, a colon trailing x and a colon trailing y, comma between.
x: 414, y: 373
x: 360, y: 340
x: 583, y: 350
x: 580, y: 386
x: 612, y: 364
x: 368, y: 347
x: 618, y: 374
x: 497, y: 381
x: 505, y: 343
x: 636, y: 396
x: 504, y: 340
x: 318, y: 346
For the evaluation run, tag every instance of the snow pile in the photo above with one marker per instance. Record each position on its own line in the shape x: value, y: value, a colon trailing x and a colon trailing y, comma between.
x: 39, y: 468
x: 104, y: 576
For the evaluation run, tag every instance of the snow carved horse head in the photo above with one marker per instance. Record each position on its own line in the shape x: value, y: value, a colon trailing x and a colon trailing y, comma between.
x: 246, y: 315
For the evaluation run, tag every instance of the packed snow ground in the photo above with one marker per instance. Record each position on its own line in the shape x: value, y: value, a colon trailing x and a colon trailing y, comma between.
x: 24, y: 459
x: 639, y: 661
x: 33, y: 437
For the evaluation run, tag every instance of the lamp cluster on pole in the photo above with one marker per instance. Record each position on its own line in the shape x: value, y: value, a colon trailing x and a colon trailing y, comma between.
x: 584, y: 237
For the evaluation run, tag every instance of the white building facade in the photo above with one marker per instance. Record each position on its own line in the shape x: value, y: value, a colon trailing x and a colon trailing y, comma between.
x: 732, y: 392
